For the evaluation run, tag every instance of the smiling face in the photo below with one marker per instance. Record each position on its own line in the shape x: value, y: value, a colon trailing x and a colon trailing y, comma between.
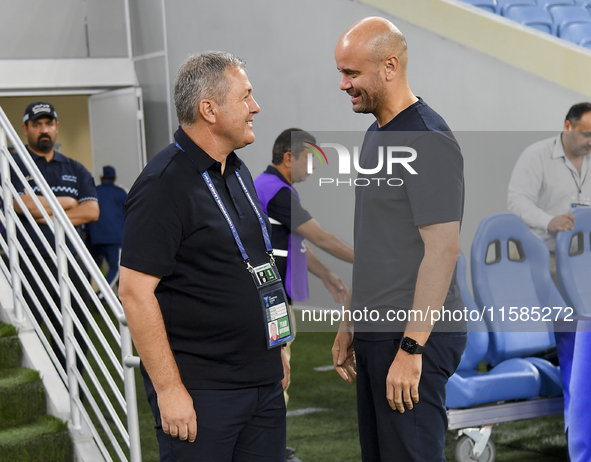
x: 360, y: 77
x: 41, y: 134
x: 234, y: 118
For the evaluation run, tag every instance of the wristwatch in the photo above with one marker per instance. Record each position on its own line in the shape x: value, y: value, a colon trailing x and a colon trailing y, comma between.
x: 411, y: 346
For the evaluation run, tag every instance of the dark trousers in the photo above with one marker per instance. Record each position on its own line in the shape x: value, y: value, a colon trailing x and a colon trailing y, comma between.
x: 109, y: 252
x: 418, y: 435
x: 244, y: 425
x: 43, y: 280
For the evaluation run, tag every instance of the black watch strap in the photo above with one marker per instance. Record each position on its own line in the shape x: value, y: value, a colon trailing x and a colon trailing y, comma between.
x: 411, y: 346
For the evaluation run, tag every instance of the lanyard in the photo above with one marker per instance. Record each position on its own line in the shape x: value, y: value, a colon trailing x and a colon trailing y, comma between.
x: 222, y: 207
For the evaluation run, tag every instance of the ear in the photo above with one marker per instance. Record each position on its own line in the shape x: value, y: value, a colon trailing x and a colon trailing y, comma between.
x: 208, y: 110
x: 25, y: 128
x: 287, y: 159
x: 568, y: 126
x: 391, y: 66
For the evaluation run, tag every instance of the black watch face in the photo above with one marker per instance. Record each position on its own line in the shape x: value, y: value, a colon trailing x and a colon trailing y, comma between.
x: 408, y: 345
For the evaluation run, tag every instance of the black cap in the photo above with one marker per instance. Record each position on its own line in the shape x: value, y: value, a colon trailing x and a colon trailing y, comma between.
x: 39, y: 109
x: 108, y: 172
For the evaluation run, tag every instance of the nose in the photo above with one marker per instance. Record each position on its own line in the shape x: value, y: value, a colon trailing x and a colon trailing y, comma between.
x: 254, y: 107
x: 345, y: 82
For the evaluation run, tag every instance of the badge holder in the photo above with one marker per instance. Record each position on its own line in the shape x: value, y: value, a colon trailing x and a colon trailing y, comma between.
x: 274, y: 305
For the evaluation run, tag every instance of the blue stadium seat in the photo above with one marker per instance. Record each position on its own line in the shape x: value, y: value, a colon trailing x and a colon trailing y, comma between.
x: 489, y: 5
x: 579, y: 424
x: 502, y: 5
x: 512, y: 379
x: 579, y: 33
x: 565, y: 15
x: 573, y: 258
x: 511, y: 268
x: 532, y: 16
x: 546, y: 4
x: 583, y: 3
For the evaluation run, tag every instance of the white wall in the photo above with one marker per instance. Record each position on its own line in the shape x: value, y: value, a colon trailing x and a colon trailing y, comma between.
x: 40, y: 29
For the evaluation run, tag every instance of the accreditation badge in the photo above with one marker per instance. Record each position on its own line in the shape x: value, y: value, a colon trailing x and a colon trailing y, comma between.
x: 274, y: 304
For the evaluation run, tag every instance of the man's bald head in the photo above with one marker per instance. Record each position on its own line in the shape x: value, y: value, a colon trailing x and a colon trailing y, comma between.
x: 376, y: 38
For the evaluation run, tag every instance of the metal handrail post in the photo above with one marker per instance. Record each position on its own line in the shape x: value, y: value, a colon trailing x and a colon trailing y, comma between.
x: 68, y: 324
x: 10, y: 229
x: 133, y: 425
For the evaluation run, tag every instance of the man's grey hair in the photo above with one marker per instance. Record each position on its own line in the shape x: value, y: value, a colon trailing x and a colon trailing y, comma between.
x: 202, y: 76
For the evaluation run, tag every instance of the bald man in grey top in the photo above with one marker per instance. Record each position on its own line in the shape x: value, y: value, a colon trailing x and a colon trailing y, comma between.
x: 406, y: 250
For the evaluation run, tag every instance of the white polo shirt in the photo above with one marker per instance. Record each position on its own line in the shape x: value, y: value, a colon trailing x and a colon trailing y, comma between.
x: 545, y: 184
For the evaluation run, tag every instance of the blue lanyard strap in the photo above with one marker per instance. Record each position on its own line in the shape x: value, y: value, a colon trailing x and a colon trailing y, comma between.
x: 264, y: 230
x: 222, y: 207
x: 226, y: 215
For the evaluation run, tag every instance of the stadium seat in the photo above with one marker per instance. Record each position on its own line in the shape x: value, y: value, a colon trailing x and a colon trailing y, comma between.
x: 583, y: 3
x: 502, y: 5
x: 532, y: 16
x: 579, y: 424
x: 488, y: 5
x: 573, y: 259
x: 511, y: 268
x: 578, y: 33
x: 546, y: 4
x: 565, y: 15
x: 512, y: 379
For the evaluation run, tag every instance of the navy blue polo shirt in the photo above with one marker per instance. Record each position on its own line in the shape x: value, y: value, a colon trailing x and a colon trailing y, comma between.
x: 388, y: 245
x: 108, y: 229
x: 210, y: 306
x: 66, y: 177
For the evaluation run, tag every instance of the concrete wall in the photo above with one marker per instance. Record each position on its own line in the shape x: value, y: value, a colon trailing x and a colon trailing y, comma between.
x: 151, y: 66
x: 39, y: 29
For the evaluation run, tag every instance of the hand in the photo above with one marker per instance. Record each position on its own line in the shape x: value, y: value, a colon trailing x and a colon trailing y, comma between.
x: 343, y: 356
x: 178, y: 414
x: 286, y: 369
x: 562, y: 223
x: 336, y: 287
x: 402, y: 382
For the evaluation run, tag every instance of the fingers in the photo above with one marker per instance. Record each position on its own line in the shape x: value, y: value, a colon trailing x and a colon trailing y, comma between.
x: 193, y: 430
x: 184, y: 432
x: 402, y: 397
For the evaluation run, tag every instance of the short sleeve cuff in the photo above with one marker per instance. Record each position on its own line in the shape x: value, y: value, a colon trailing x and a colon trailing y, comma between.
x: 148, y: 267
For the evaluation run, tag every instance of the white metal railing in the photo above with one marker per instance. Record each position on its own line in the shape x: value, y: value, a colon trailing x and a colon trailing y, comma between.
x: 112, y: 394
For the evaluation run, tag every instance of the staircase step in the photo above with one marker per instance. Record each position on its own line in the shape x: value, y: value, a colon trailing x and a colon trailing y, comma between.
x: 10, y: 347
x: 45, y: 440
x: 22, y: 397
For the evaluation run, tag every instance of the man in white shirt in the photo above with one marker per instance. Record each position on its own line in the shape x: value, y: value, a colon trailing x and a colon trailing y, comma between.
x: 553, y: 175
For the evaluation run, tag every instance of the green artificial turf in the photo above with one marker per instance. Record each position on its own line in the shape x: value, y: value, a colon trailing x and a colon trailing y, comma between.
x: 22, y: 397
x: 332, y: 436
x: 10, y: 347
x: 45, y: 440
